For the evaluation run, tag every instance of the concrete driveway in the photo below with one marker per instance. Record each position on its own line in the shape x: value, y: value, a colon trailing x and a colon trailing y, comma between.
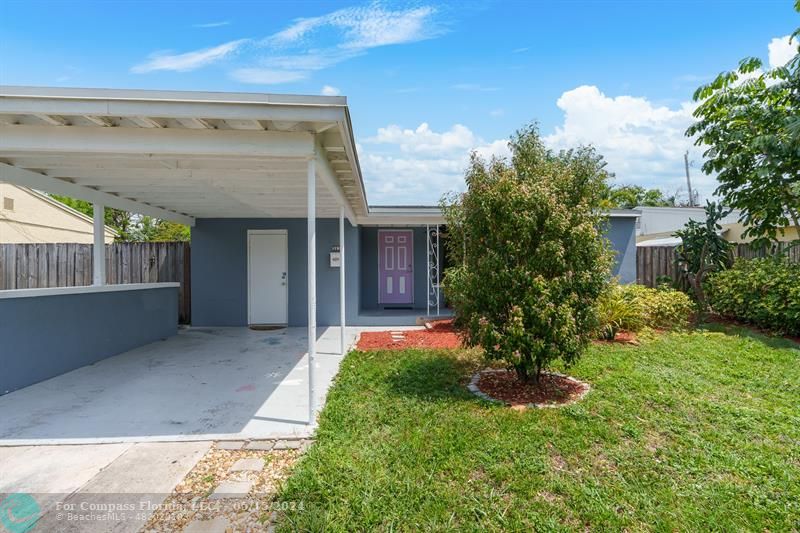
x: 202, y: 384
x: 71, y: 488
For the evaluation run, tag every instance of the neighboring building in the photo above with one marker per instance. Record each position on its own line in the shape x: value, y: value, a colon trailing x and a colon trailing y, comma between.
x: 657, y: 225
x: 28, y: 216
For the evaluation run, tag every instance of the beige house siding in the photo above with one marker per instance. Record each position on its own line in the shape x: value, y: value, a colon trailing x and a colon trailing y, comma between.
x: 733, y: 233
x: 27, y: 216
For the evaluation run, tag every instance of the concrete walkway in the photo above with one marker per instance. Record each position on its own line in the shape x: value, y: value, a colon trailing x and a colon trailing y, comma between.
x: 202, y: 384
x: 73, y: 487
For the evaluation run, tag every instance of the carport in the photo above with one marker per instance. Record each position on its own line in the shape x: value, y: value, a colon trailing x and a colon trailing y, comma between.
x: 180, y: 156
x: 201, y: 384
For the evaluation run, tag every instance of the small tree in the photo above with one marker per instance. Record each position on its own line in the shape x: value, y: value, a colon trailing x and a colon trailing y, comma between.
x: 749, y: 121
x: 532, y: 262
x: 630, y: 196
x: 703, y: 250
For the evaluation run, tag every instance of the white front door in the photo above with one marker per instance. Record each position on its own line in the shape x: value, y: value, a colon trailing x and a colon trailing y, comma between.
x: 268, y: 276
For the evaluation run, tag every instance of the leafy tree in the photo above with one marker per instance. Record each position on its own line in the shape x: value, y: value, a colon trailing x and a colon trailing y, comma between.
x: 151, y: 229
x: 131, y: 227
x: 703, y: 250
x: 629, y: 196
x: 526, y: 236
x: 750, y: 122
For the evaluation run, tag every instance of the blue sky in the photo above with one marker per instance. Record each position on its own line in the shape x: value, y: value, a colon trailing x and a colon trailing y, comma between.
x: 426, y: 82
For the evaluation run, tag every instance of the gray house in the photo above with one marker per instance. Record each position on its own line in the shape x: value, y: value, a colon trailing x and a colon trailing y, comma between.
x: 271, y: 185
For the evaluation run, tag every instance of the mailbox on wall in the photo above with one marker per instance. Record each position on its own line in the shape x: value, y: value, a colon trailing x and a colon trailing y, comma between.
x: 335, y: 257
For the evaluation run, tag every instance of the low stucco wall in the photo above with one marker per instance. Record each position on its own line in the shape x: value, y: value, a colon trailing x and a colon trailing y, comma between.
x: 47, y: 332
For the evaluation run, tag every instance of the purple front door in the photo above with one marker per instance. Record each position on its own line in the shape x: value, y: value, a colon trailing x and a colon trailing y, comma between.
x: 395, y: 267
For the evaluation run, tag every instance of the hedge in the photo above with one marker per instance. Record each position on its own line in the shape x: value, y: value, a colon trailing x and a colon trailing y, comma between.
x: 763, y: 292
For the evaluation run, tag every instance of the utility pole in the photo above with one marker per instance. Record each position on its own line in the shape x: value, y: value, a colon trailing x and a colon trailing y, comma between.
x: 688, y: 179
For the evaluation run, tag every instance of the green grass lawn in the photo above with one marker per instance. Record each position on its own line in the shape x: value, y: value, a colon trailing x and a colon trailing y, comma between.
x: 689, y: 431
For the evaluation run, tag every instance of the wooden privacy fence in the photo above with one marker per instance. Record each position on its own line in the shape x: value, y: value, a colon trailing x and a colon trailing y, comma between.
x: 24, y: 266
x: 653, y: 262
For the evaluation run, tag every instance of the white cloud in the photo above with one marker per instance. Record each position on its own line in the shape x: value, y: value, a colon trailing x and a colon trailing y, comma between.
x: 499, y: 112
x: 424, y: 140
x: 643, y: 142
x: 265, y: 76
x: 190, y: 60
x: 364, y: 27
x: 781, y: 51
x: 520, y: 50
x: 329, y: 90
x: 403, y: 165
x: 212, y: 24
x: 290, y: 54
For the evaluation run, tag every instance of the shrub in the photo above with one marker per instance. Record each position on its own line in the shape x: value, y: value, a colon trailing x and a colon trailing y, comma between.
x: 633, y: 307
x: 764, y: 292
x: 532, y: 261
x: 617, y: 311
x: 664, y: 308
x: 703, y: 250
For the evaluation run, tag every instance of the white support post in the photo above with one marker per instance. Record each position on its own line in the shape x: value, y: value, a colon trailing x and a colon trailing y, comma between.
x: 428, y: 268
x: 438, y: 265
x: 99, y: 248
x: 312, y: 286
x: 341, y: 281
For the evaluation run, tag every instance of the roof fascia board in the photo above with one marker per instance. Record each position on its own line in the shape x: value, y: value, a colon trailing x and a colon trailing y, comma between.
x: 168, y: 142
x: 328, y: 176
x: 169, y: 109
x: 74, y: 93
x: 346, y: 131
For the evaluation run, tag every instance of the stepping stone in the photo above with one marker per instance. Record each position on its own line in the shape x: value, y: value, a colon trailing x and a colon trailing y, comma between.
x: 306, y: 445
x: 287, y: 445
x: 230, y: 444
x: 263, y: 445
x: 231, y: 489
x: 252, y: 464
x: 219, y: 524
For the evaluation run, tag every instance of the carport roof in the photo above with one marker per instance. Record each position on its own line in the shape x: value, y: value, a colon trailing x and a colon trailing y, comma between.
x: 182, y: 155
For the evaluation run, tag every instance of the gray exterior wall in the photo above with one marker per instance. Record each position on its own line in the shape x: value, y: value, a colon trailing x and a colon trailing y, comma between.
x: 219, y: 270
x: 45, y: 336
x: 622, y: 234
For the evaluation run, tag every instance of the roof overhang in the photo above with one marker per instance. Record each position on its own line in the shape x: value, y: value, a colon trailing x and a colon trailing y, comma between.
x: 182, y: 155
x: 397, y: 215
x: 624, y: 213
x: 402, y: 216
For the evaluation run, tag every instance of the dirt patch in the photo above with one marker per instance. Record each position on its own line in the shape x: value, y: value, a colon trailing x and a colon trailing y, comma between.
x: 622, y: 337
x: 552, y: 390
x: 436, y: 335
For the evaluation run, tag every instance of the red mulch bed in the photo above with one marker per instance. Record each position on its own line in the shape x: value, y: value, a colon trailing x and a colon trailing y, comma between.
x: 622, y: 337
x: 439, y: 334
x: 552, y: 389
